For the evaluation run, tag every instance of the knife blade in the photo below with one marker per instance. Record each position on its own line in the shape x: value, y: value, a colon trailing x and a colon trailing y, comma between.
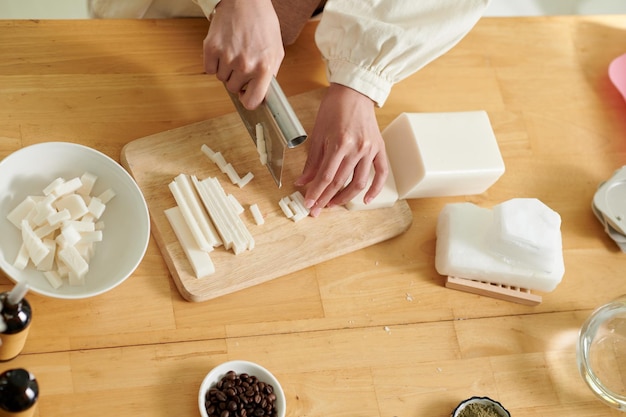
x: 281, y: 127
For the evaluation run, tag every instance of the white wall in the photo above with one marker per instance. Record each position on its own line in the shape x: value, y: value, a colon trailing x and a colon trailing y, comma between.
x: 554, y: 7
x: 43, y: 9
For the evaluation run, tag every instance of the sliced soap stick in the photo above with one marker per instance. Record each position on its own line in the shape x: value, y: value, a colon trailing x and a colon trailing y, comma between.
x: 199, y: 259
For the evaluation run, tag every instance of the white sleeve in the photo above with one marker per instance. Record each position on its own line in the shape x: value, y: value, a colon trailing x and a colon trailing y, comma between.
x: 369, y: 45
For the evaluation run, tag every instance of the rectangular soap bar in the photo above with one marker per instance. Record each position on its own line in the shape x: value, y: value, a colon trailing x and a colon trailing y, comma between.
x: 463, y: 250
x: 442, y: 154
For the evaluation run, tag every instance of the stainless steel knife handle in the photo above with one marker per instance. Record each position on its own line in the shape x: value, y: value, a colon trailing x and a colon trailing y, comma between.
x: 284, y: 115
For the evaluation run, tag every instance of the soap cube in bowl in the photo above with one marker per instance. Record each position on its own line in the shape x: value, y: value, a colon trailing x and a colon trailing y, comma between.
x: 443, y: 154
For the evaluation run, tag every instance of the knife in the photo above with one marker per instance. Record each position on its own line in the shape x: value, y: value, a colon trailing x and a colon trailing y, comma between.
x: 281, y: 127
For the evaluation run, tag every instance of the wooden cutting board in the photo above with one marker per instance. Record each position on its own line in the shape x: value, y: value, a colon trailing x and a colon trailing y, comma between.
x: 281, y: 245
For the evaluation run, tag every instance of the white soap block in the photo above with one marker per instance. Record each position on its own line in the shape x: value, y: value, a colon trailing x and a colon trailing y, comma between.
x: 464, y: 250
x: 527, y: 232
x: 443, y: 154
x: 386, y: 198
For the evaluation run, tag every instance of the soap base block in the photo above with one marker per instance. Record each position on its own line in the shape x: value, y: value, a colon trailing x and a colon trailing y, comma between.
x: 488, y: 289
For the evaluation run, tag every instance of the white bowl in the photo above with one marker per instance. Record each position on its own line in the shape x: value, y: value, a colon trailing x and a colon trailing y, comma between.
x: 127, y: 223
x: 240, y: 367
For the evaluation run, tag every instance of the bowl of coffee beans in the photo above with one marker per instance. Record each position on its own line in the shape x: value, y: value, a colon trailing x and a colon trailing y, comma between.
x: 241, y: 389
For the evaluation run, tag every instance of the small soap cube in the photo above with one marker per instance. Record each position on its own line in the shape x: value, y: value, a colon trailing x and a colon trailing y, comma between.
x: 71, y: 257
x: 21, y: 211
x: 96, y: 207
x: 88, y: 180
x: 71, y: 235
x: 67, y: 187
x: 42, y: 210
x: 74, y: 203
x: 54, y: 279
x: 22, y: 258
x: 76, y: 280
x: 443, y: 154
x: 106, y: 196
x: 386, y: 198
x: 47, y: 263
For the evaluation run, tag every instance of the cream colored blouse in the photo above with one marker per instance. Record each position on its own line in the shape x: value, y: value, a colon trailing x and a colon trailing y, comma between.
x: 368, y: 45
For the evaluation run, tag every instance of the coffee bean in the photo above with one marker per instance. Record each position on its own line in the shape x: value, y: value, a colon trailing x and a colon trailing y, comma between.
x: 241, y: 395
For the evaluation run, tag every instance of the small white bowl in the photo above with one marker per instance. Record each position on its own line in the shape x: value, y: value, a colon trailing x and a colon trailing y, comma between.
x: 126, y: 220
x: 484, y: 401
x: 240, y: 367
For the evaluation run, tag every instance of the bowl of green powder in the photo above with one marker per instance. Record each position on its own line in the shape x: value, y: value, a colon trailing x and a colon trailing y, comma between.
x: 480, y: 407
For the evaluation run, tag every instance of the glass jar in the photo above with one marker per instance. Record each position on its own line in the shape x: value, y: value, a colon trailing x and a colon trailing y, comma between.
x: 601, y: 353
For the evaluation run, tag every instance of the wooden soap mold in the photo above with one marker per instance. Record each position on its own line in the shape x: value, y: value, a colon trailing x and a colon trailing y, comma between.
x: 499, y: 291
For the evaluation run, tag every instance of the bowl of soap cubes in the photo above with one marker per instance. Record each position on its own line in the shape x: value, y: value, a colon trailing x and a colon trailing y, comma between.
x: 74, y: 222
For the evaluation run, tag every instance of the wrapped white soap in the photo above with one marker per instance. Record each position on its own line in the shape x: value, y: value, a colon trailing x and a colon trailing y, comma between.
x: 518, y: 244
x: 442, y: 154
x: 527, y: 232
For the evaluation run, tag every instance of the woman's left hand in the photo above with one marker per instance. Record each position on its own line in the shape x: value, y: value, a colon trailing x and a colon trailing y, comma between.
x: 345, y: 144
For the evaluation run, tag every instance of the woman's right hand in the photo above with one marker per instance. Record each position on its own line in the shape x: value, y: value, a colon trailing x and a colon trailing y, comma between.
x: 244, y: 48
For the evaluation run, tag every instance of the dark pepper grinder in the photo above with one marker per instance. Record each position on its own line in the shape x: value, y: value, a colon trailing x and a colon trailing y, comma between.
x: 18, y: 393
x: 16, y: 315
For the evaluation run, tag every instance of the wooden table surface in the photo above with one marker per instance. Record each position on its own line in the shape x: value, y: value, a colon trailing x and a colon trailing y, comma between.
x: 371, y: 333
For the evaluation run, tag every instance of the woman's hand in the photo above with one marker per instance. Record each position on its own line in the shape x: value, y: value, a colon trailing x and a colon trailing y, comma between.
x: 244, y: 48
x: 345, y: 144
